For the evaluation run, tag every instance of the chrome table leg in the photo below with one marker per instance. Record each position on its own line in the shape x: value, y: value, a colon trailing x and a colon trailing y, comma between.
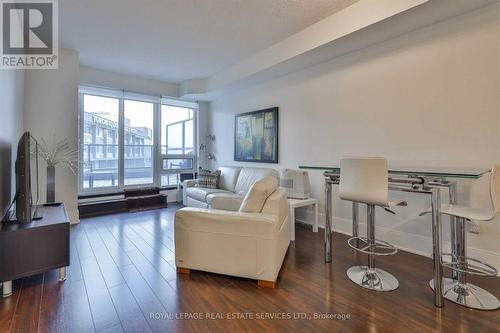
x: 437, y: 246
x: 328, y: 221
x: 7, y: 289
x: 452, y: 189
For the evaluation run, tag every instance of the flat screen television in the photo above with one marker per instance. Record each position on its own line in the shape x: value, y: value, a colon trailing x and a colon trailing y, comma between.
x: 26, y: 175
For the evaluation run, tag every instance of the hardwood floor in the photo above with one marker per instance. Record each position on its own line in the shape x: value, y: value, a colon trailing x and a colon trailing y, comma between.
x: 122, y: 278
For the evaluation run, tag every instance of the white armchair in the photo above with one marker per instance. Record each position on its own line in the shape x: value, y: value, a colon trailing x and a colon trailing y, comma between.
x: 250, y: 245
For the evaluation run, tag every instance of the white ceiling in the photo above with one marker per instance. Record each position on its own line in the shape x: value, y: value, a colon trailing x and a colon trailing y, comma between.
x: 177, y: 40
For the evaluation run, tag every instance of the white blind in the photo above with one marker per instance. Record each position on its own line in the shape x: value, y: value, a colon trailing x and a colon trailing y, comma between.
x: 106, y: 92
x: 117, y: 93
x: 141, y: 97
x: 179, y: 103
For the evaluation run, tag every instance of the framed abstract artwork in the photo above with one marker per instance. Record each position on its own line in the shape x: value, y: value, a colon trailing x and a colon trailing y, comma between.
x: 256, y: 136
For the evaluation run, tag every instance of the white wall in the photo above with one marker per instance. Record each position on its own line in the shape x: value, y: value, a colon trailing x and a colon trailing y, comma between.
x: 11, y: 126
x: 427, y: 98
x: 203, y: 124
x: 51, y: 111
x: 107, y: 79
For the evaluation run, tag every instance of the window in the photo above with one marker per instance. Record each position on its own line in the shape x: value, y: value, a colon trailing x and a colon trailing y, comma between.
x: 99, y: 113
x: 177, y: 142
x: 139, y: 133
x: 133, y: 140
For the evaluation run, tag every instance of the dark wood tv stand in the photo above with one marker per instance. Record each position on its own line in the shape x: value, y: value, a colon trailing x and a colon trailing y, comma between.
x: 33, y: 248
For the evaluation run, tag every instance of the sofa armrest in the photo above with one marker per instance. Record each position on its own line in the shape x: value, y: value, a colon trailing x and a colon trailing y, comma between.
x: 189, y: 183
x: 227, y: 222
x: 229, y: 202
x: 277, y: 204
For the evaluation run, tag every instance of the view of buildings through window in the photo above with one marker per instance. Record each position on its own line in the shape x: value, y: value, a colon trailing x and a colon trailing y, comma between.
x: 177, y: 148
x: 101, y: 153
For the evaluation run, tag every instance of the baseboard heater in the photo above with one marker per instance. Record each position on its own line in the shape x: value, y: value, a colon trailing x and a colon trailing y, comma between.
x: 132, y: 201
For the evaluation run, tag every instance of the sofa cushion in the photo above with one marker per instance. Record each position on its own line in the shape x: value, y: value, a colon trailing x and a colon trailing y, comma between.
x: 225, y: 201
x: 200, y: 193
x: 190, y: 202
x: 208, y: 179
x: 258, y: 194
x: 228, y: 177
x: 248, y: 176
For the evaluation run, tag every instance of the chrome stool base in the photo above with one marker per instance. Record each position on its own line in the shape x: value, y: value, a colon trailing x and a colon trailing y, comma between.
x: 468, y: 295
x: 377, y: 279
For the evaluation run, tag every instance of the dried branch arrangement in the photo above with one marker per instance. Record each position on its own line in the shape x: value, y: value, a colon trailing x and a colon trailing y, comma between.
x: 60, y: 153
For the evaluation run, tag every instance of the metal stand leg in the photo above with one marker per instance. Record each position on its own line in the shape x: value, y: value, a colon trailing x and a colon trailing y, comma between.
x: 62, y: 274
x: 436, y: 244
x: 328, y: 221
x: 355, y: 221
x: 453, y: 226
x: 370, y: 277
x: 315, y: 225
x: 7, y: 289
x: 461, y: 247
x: 459, y: 291
x: 370, y: 235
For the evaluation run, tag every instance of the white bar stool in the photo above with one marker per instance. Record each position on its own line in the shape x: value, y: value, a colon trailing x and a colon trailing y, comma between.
x: 365, y: 180
x: 460, y: 291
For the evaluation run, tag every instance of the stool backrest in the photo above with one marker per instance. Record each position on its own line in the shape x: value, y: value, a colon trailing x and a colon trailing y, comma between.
x: 364, y: 180
x: 495, y: 188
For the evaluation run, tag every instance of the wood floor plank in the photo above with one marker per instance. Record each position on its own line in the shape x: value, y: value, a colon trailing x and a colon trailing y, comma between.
x: 114, y: 248
x: 109, y: 270
x: 130, y: 313
x: 9, y: 305
x: 101, y: 306
x: 28, y: 307
x: 152, y: 254
x: 122, y: 279
x: 145, y: 298
x: 81, y: 242
x: 155, y: 233
x: 74, y: 271
x: 65, y: 306
x: 154, y: 242
x: 158, y: 284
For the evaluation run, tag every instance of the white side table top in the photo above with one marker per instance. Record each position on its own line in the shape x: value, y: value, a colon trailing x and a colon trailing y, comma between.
x: 302, y: 202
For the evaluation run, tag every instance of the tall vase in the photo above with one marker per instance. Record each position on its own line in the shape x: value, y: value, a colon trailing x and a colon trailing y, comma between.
x: 51, y: 184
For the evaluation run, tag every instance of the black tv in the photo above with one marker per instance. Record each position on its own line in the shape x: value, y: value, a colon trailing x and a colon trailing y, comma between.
x: 26, y: 207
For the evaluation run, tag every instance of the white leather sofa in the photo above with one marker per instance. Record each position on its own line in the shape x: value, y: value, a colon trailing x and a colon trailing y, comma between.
x: 234, y: 184
x: 250, y: 245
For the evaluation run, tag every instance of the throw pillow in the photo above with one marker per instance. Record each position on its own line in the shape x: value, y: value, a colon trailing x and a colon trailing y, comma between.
x: 207, y: 178
x: 258, y: 194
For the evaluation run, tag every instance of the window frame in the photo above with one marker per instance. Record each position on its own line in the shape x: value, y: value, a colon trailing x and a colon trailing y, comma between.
x: 194, y: 156
x: 157, y: 155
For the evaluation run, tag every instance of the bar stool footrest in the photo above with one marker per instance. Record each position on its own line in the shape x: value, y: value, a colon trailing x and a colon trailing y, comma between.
x: 381, y: 248
x: 470, y: 266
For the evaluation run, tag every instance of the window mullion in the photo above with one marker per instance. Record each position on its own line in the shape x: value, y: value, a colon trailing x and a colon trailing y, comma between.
x: 183, y: 138
x: 121, y: 144
x: 157, y: 144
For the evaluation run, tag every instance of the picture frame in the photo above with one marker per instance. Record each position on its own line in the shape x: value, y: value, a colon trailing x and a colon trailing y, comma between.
x: 256, y: 136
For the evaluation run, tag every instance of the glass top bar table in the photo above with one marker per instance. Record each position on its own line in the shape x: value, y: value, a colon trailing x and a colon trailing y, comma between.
x: 428, y: 181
